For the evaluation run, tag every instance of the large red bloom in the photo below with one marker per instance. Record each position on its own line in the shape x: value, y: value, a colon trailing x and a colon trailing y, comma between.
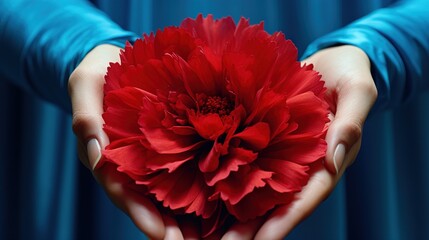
x: 214, y: 118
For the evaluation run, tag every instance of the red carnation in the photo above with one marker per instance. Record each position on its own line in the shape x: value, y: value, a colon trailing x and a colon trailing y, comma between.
x: 214, y: 119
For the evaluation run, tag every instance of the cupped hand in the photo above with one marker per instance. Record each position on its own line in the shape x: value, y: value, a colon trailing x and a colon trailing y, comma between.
x: 351, y: 92
x: 86, y: 93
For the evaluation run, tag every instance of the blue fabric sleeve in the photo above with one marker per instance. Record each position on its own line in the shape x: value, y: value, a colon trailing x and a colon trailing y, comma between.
x: 396, y: 39
x: 43, y: 41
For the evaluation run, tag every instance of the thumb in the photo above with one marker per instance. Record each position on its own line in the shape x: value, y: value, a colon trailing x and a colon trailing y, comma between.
x: 355, y: 99
x: 86, y: 93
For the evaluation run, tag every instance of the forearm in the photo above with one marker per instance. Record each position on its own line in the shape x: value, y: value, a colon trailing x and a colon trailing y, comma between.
x: 396, y: 40
x: 43, y: 41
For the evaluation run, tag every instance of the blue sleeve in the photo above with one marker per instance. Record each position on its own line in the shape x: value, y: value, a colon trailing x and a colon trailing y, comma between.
x: 396, y: 39
x: 43, y: 41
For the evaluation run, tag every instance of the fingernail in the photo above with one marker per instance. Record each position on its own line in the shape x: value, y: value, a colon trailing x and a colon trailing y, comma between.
x: 339, y: 155
x: 94, y: 152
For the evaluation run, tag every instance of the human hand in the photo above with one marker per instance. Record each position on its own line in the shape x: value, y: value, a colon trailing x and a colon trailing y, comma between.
x: 352, y: 93
x: 86, y: 93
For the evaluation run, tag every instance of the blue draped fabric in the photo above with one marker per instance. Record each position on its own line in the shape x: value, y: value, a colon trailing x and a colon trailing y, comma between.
x: 45, y: 193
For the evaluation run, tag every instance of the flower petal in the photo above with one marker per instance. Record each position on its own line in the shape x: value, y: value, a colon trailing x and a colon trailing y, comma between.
x: 254, y: 205
x: 182, y: 189
x: 143, y: 49
x: 120, y: 103
x: 241, y: 80
x: 297, y: 80
x: 208, y: 126
x: 214, y: 226
x: 185, y: 190
x: 241, y: 183
x: 202, y: 206
x: 127, y: 56
x: 265, y: 100
x: 215, y: 33
x: 173, y: 40
x: 161, y: 184
x: 205, y: 72
x: 128, y: 154
x: 113, y: 76
x: 183, y: 130
x: 152, y: 76
x: 162, y: 140
x: 257, y: 135
x: 127, y: 97
x: 278, y: 119
x: 171, y: 162
x: 188, y: 76
x: 309, y: 112
x: 209, y: 162
x: 118, y: 127
x: 233, y: 122
x: 230, y: 163
x: 302, y: 151
x: 287, y: 177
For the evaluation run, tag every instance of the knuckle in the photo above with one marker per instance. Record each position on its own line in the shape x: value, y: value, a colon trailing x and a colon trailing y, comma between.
x: 353, y: 130
x: 81, y: 121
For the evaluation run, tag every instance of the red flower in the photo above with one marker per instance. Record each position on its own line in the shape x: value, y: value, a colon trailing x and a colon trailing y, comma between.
x: 211, y: 116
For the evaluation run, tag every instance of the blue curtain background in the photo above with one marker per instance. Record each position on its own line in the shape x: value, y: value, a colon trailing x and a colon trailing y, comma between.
x: 45, y: 193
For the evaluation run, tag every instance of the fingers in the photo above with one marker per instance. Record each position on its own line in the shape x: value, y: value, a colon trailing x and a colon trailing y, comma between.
x: 285, y: 218
x: 86, y: 93
x: 140, y: 209
x: 243, y: 231
x: 172, y: 230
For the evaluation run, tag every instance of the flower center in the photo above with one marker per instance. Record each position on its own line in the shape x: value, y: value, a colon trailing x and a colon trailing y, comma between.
x: 215, y: 104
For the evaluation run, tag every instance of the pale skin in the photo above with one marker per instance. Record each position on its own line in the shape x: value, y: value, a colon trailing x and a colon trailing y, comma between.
x: 346, y: 71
